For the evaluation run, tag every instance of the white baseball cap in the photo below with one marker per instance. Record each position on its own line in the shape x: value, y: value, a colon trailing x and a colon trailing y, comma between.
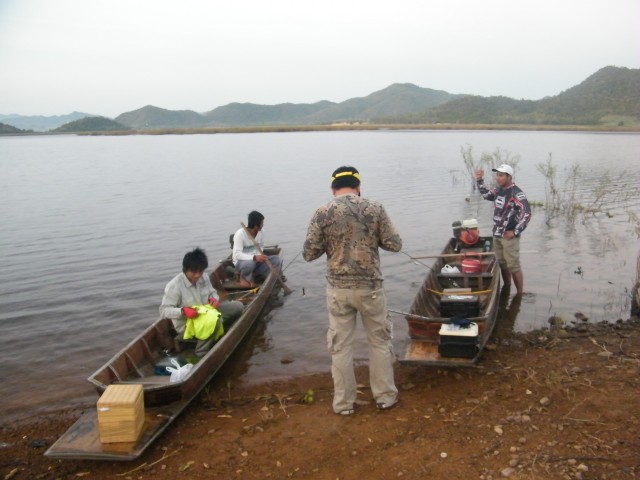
x: 504, y: 168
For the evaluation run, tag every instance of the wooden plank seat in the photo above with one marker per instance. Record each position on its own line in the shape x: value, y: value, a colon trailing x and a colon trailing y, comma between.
x: 234, y: 285
x: 465, y: 280
x: 150, y: 380
x: 183, y: 345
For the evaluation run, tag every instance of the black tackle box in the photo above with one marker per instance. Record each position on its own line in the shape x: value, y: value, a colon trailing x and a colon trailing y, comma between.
x: 459, y: 306
x: 458, y: 341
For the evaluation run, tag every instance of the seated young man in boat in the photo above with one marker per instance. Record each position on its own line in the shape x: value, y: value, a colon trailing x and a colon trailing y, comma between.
x: 192, y: 288
x: 248, y: 257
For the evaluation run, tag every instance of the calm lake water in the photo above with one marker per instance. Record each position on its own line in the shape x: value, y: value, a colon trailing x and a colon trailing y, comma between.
x: 94, y: 227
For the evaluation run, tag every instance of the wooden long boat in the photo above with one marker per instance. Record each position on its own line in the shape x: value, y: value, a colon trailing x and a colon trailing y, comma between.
x: 163, y: 400
x: 427, y: 314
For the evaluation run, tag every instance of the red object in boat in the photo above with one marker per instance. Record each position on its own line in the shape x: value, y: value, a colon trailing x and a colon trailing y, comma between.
x: 471, y: 265
x: 469, y: 237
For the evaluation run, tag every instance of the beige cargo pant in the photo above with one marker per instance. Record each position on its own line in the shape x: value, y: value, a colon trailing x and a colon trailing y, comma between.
x: 343, y: 306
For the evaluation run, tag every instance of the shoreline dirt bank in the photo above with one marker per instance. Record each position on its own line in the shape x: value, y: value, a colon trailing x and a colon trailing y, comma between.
x: 552, y: 404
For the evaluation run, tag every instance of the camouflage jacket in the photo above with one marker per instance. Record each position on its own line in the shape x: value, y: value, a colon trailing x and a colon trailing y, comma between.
x: 350, y: 229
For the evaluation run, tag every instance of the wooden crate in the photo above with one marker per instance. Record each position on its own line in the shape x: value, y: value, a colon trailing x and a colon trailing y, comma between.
x: 120, y: 413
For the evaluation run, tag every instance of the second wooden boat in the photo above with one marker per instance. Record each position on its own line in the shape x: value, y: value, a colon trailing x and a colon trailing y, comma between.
x: 137, y: 364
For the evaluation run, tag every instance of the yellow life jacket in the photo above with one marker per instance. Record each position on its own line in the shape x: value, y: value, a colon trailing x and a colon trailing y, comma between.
x: 205, y: 325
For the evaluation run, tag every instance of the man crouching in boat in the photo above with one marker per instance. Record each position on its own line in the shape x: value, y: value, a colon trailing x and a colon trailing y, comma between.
x: 248, y: 258
x: 190, y: 288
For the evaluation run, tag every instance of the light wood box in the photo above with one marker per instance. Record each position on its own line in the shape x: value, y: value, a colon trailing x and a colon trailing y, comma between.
x: 120, y: 413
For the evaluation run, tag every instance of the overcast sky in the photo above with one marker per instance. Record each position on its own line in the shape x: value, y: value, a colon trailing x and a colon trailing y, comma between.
x: 114, y: 56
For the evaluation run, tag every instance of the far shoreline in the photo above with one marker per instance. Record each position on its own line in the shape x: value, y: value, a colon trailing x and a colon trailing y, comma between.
x: 350, y: 127
x: 371, y: 127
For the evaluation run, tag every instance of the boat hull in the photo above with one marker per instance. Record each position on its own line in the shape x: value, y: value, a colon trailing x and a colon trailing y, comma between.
x: 163, y: 400
x: 425, y: 317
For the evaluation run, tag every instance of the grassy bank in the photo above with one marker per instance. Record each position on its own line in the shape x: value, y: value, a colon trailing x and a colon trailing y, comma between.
x: 351, y: 127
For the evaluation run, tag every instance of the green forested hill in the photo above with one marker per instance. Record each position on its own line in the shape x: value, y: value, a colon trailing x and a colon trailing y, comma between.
x: 610, y: 95
x: 399, y: 98
x: 151, y: 117
x: 610, y: 91
x: 91, y: 124
x: 235, y: 114
x: 9, y: 129
x: 41, y: 123
x: 393, y: 100
x: 470, y: 109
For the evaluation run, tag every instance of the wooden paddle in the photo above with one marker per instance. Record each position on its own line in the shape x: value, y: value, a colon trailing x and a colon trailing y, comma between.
x: 285, y: 289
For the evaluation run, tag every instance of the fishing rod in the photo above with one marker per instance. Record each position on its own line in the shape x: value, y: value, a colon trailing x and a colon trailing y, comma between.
x: 442, y: 320
x: 468, y: 254
x: 461, y: 254
x: 415, y: 261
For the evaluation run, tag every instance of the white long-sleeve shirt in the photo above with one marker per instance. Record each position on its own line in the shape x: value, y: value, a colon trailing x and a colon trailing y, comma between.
x: 243, y: 246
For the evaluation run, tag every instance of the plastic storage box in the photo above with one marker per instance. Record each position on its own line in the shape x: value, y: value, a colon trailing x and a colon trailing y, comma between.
x: 459, y: 306
x: 456, y: 341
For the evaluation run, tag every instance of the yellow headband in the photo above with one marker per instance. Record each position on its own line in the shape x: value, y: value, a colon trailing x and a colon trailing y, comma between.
x: 342, y: 174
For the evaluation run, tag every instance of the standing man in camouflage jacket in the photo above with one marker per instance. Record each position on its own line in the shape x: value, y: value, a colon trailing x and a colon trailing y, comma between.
x: 350, y: 229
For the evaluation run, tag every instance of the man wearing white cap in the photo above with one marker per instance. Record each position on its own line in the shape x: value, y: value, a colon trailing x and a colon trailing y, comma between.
x: 510, y: 217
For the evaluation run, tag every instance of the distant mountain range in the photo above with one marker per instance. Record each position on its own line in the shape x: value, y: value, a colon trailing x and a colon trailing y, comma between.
x: 39, y: 123
x: 611, y: 96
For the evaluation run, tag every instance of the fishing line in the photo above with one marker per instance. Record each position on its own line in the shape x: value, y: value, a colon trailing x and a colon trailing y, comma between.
x: 416, y: 262
x: 287, y: 266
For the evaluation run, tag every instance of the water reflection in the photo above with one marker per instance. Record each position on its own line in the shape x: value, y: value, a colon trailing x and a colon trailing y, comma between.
x: 508, y: 310
x: 257, y: 340
x: 93, y: 229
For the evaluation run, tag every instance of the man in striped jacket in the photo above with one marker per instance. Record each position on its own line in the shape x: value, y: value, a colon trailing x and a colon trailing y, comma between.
x: 511, y: 215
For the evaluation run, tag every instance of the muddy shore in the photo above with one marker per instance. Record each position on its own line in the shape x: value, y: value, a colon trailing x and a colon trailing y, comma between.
x: 559, y: 403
